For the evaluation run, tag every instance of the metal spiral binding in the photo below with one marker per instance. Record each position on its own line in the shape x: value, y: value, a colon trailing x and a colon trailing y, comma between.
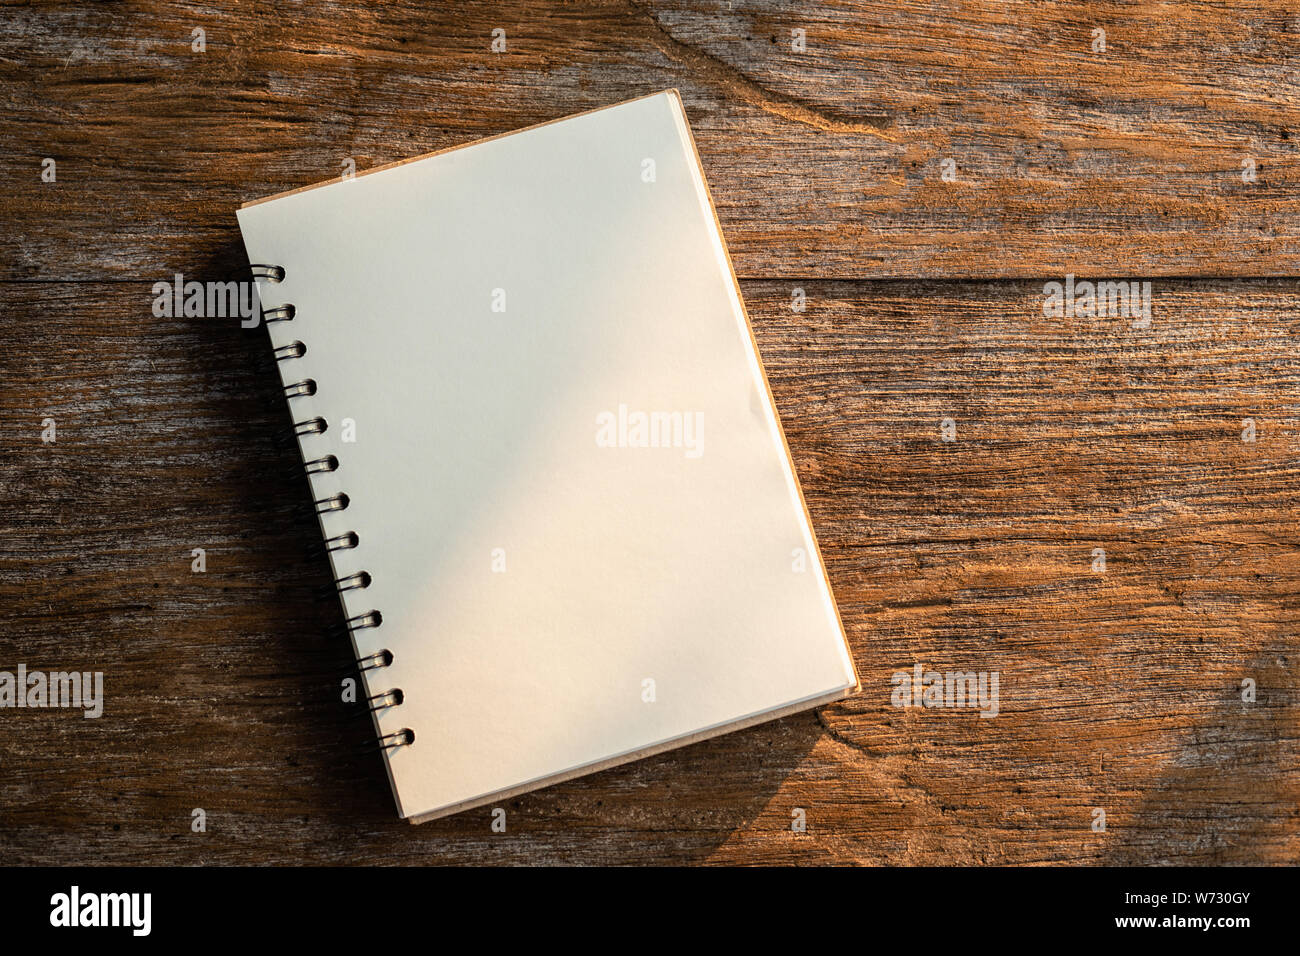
x: 378, y: 702
x: 354, y: 581
x: 364, y: 621
x: 374, y: 661
x: 269, y: 273
x: 401, y: 738
x: 389, y: 698
x: 336, y: 502
x: 321, y: 466
x: 342, y: 542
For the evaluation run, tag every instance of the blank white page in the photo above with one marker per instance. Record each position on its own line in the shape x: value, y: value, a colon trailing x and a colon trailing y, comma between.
x: 506, y: 331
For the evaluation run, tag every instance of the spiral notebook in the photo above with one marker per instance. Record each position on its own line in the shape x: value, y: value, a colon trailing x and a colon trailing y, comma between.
x: 551, y: 479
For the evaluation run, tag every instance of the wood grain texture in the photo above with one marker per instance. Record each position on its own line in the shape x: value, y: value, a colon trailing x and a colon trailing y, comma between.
x: 1119, y: 690
x: 824, y: 163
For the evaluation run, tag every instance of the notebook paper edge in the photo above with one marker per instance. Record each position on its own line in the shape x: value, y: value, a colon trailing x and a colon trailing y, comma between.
x: 334, y: 181
x: 632, y: 756
x: 792, y: 471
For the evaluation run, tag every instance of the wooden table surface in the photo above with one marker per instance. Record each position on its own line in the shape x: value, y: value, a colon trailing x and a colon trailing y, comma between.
x: 1120, y: 689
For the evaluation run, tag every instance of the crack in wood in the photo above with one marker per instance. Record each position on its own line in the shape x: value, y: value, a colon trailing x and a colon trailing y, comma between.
x: 779, y: 104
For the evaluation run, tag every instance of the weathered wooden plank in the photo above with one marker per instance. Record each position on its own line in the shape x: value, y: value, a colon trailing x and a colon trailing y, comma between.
x: 1118, y: 689
x: 825, y: 163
